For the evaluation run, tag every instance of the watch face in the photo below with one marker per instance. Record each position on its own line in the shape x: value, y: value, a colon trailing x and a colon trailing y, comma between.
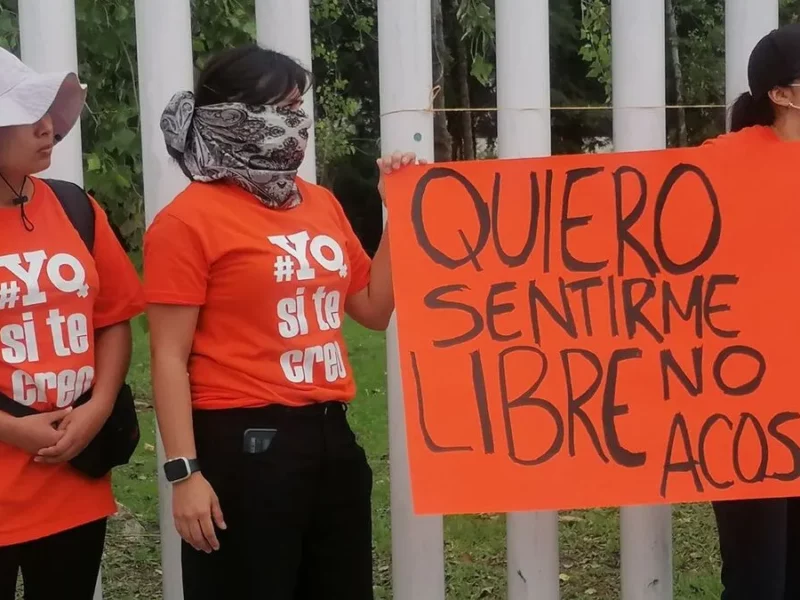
x: 176, y: 470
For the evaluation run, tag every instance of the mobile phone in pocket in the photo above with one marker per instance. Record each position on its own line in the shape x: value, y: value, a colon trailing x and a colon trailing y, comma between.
x: 258, y: 441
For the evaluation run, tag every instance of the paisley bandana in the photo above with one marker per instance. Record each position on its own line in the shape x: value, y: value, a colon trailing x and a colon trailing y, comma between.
x: 260, y: 148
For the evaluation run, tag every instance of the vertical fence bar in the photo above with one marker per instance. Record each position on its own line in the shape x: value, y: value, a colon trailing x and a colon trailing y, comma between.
x: 639, y: 81
x: 406, y: 74
x: 164, y: 52
x: 523, y: 82
x: 746, y: 22
x: 49, y: 43
x: 286, y: 27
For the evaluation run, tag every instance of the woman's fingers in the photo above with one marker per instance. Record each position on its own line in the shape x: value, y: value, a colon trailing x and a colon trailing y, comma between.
x: 209, y: 535
x: 398, y: 160
x: 196, y: 537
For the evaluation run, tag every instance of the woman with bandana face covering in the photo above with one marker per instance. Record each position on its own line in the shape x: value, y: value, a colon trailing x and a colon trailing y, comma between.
x: 760, y: 539
x: 65, y: 344
x: 249, y: 274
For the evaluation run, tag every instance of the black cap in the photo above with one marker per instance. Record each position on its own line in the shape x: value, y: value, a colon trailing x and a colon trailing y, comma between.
x: 775, y: 61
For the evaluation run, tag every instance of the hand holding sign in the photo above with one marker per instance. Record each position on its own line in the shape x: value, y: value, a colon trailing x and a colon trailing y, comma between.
x: 394, y: 162
x: 598, y: 330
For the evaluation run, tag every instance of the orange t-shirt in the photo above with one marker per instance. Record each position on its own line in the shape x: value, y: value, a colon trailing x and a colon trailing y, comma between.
x: 53, y: 296
x: 271, y: 286
x: 744, y: 138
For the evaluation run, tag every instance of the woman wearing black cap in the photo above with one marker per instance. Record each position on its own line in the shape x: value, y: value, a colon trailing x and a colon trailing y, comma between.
x: 760, y: 539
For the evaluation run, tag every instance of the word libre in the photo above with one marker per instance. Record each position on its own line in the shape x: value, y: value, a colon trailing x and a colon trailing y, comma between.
x: 598, y: 330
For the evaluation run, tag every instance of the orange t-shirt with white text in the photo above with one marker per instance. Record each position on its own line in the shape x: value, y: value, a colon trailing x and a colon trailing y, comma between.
x: 54, y: 295
x: 271, y: 287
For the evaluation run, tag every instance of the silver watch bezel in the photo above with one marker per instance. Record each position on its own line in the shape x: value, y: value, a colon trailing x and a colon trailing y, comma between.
x: 188, y: 468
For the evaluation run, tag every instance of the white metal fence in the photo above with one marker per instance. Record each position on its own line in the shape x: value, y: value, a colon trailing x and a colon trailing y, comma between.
x: 164, y: 49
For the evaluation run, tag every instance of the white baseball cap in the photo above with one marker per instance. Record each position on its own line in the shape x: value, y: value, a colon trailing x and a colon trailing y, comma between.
x: 26, y: 96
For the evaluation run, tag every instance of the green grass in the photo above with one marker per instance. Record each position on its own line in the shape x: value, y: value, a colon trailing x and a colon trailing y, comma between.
x: 474, y: 546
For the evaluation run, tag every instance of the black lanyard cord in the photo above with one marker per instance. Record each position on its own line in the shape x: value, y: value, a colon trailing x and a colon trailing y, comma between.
x: 21, y: 200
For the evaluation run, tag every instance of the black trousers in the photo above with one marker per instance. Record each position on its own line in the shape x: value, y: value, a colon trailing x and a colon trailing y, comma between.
x: 64, y: 565
x: 298, y: 515
x: 760, y: 547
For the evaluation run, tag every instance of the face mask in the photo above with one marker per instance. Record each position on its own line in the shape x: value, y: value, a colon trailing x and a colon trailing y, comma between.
x: 260, y: 148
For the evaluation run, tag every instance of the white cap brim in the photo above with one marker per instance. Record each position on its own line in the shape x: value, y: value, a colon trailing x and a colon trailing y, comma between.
x: 61, y: 95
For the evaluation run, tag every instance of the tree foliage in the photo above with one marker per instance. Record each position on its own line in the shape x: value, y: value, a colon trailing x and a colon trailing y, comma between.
x: 701, y: 44
x: 596, y: 38
x: 476, y: 20
x: 107, y: 64
x: 345, y: 65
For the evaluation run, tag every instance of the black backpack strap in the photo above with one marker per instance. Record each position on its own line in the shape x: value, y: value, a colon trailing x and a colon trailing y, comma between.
x: 78, y: 207
x: 15, y: 409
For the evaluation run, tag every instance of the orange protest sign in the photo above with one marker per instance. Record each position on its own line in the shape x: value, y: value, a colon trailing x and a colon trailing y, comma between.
x: 599, y: 330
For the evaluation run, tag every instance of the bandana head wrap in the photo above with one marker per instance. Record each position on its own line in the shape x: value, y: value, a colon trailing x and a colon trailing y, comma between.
x: 260, y: 148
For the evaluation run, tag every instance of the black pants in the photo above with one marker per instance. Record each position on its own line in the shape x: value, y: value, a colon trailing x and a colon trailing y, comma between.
x: 760, y: 547
x: 298, y: 515
x: 64, y: 565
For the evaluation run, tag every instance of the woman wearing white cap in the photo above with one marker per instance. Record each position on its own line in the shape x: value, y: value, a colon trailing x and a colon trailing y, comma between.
x: 67, y: 294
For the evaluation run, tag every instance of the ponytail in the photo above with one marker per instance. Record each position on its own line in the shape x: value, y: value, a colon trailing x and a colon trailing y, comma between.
x: 180, y: 158
x: 749, y: 111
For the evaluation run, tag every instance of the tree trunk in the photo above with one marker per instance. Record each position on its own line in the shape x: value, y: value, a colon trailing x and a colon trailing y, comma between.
x: 672, y: 31
x: 462, y: 72
x: 461, y: 126
x: 443, y: 143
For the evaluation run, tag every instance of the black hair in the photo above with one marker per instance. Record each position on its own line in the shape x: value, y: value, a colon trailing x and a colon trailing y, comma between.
x: 749, y: 111
x: 251, y: 75
x: 248, y: 74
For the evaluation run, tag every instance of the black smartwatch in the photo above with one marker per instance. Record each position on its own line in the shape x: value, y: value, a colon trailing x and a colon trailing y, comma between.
x: 179, y: 469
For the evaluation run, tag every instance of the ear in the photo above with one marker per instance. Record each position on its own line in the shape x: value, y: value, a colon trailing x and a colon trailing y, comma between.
x: 782, y: 96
